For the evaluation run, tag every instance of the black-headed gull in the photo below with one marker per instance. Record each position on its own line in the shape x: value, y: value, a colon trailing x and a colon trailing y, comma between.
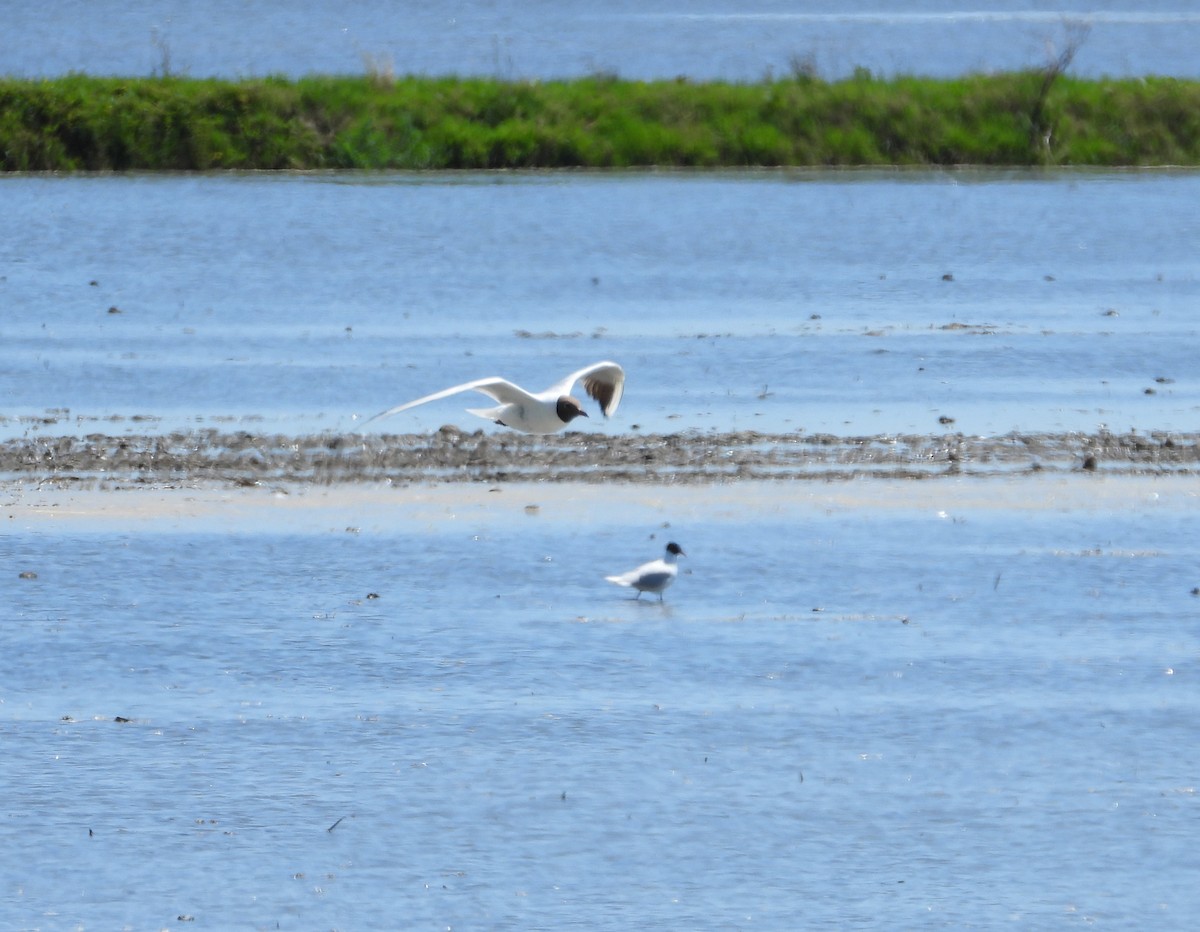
x: 654, y: 576
x: 544, y: 413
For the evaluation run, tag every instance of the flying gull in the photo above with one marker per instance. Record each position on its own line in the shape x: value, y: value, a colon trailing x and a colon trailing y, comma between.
x: 542, y: 413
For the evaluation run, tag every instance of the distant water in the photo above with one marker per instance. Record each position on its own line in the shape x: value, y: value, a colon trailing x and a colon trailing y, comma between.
x: 713, y: 39
x: 839, y: 302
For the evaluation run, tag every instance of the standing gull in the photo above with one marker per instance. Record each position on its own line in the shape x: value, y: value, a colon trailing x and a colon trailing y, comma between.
x: 542, y: 413
x: 654, y: 576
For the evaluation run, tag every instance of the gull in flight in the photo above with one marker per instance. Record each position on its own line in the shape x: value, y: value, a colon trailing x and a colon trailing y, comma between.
x: 654, y: 576
x: 542, y: 413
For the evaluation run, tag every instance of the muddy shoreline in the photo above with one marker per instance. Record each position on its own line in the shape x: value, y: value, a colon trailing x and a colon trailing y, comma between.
x: 241, y: 458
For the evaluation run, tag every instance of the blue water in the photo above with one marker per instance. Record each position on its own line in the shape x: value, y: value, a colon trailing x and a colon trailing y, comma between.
x: 701, y: 40
x: 841, y: 716
x: 776, y: 301
x: 860, y: 706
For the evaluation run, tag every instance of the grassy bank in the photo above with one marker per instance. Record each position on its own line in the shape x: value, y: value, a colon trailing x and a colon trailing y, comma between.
x: 1028, y: 118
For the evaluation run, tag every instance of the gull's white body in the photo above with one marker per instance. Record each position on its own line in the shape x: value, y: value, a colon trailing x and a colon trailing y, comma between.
x: 541, y: 413
x: 654, y: 576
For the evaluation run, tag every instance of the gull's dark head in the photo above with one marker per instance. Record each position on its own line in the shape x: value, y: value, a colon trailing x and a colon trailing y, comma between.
x: 569, y: 408
x: 674, y: 548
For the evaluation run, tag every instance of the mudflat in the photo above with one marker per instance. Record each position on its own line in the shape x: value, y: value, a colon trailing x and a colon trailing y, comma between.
x: 348, y: 481
x: 451, y: 455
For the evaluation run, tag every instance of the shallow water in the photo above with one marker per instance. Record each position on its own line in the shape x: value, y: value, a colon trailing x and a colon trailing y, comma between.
x: 701, y: 40
x: 850, y: 303
x: 862, y: 704
x: 970, y: 705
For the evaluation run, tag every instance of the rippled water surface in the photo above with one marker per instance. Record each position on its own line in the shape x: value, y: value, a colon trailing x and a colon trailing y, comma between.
x: 863, y: 704
x: 846, y: 713
x: 705, y: 40
x: 841, y: 302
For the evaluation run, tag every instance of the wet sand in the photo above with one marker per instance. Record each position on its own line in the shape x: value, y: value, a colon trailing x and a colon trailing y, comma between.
x: 360, y: 508
x: 350, y: 483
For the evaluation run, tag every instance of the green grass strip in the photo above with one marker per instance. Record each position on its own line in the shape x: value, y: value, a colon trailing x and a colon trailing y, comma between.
x: 82, y: 123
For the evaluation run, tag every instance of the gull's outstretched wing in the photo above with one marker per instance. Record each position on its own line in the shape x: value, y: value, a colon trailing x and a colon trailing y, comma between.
x: 498, y: 389
x: 603, y: 381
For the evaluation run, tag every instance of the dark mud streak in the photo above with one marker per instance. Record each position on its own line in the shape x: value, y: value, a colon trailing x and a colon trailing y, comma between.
x: 450, y: 455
